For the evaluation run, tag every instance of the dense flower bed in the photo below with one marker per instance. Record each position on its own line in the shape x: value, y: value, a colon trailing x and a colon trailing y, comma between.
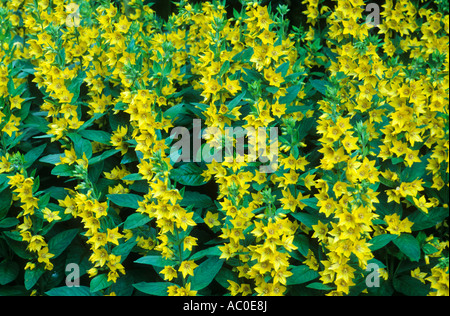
x: 109, y: 115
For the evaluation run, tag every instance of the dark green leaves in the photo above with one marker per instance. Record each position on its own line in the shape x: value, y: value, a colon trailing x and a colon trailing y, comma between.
x: 409, y: 246
x: 32, y: 276
x: 196, y: 199
x: 302, y: 274
x: 422, y: 220
x: 82, y: 146
x: 126, y: 200
x: 5, y: 202
x: 233, y: 103
x: 136, y: 220
x: 380, y: 241
x: 99, y: 283
x: 70, y: 291
x: 320, y: 85
x: 188, y: 174
x: 156, y: 261
x: 96, y: 136
x: 410, y: 286
x: 153, y: 288
x: 291, y: 95
x: 63, y: 170
x: 61, y: 241
x: 9, y: 270
x: 31, y: 156
x: 204, y: 274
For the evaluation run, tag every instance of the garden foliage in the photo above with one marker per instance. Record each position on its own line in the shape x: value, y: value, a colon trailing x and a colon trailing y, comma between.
x: 93, y: 200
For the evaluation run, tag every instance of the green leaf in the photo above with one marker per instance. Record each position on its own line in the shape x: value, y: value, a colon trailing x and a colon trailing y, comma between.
x: 17, y: 246
x: 175, y: 111
x: 225, y: 67
x: 196, y: 199
x: 103, y: 156
x: 124, y: 249
x: 136, y: 220
x: 9, y: 270
x: 212, y: 251
x: 81, y: 146
x: 409, y: 246
x: 153, y: 288
x: 13, y: 290
x: 99, y: 283
x: 301, y: 241
x: 233, y: 103
x: 31, y: 156
x: 320, y: 286
x: 69, y: 291
x: 9, y: 222
x: 32, y: 276
x: 410, y: 286
x: 423, y: 221
x: 126, y: 200
x: 51, y: 159
x: 311, y: 202
x: 320, y: 85
x: 75, y: 85
x: 307, y: 219
x: 63, y: 170
x: 417, y: 170
x: 244, y: 56
x: 380, y: 241
x: 5, y: 202
x: 291, y: 95
x: 188, y: 174
x: 252, y: 75
x: 132, y: 177
x: 96, y: 136
x: 156, y: 261
x: 283, y: 69
x: 205, y: 273
x: 61, y: 241
x: 301, y: 274
x: 305, y: 127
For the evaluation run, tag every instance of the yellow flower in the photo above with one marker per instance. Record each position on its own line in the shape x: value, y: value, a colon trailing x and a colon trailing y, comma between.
x: 395, y: 226
x: 16, y: 102
x: 99, y: 257
x: 187, y: 268
x: 232, y: 86
x: 275, y: 78
x: 309, y: 181
x: 211, y: 219
x: 320, y: 231
x: 51, y: 216
x: 98, y: 240
x: 184, y: 219
x: 169, y: 273
x: 418, y: 275
x: 10, y: 128
x: 72, y: 8
x: 278, y: 109
x: 44, y: 257
x: 113, y: 235
x: 189, y: 242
